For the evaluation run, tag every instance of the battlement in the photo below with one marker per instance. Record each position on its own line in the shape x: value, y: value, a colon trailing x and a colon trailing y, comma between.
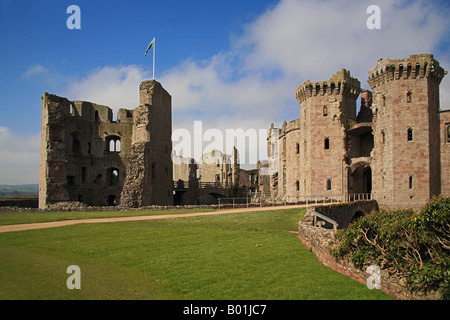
x: 289, y: 126
x: 341, y: 83
x: 417, y: 66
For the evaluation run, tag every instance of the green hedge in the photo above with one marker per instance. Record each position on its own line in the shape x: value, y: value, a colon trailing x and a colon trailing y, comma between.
x: 414, y: 246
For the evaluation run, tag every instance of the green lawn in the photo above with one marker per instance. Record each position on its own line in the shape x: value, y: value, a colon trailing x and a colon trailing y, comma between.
x: 9, y: 218
x: 234, y: 256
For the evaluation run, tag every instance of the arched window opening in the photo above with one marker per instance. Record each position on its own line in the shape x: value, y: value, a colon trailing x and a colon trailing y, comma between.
x: 325, y: 111
x: 113, y: 144
x: 329, y: 185
x: 113, y: 176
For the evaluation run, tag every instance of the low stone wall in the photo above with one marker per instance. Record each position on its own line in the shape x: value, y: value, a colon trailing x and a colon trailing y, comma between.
x: 78, y: 206
x: 21, y: 203
x: 318, y: 241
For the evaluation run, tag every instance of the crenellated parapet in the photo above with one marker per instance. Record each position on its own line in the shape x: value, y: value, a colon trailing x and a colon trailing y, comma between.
x: 290, y: 126
x: 417, y: 66
x: 342, y: 83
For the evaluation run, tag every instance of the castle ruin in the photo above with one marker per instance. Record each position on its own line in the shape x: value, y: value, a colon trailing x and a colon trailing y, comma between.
x: 396, y: 149
x: 87, y: 156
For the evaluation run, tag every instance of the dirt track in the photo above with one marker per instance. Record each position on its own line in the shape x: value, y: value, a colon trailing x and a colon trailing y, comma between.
x: 54, y: 224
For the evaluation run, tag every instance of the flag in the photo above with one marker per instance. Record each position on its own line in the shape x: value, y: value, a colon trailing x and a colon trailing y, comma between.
x: 150, y: 46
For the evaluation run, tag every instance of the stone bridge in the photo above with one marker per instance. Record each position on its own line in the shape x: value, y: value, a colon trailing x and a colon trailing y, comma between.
x: 194, y: 192
x: 345, y: 213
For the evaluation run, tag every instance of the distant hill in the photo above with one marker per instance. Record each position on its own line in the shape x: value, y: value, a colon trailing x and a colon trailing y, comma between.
x: 8, y: 190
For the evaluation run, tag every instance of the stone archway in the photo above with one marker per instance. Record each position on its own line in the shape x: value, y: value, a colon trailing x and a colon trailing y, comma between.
x: 360, y: 178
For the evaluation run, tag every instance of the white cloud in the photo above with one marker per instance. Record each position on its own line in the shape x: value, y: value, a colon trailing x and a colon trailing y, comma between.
x: 253, y: 83
x: 116, y: 87
x: 19, y: 158
x: 34, y: 70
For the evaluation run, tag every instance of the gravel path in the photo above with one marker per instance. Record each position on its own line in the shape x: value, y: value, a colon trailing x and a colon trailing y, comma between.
x: 54, y: 224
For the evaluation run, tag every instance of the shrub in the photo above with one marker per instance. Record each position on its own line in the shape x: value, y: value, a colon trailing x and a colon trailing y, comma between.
x: 412, y: 246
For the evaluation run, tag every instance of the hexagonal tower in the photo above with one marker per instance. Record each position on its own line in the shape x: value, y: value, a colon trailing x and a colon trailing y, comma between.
x: 327, y: 108
x: 406, y: 154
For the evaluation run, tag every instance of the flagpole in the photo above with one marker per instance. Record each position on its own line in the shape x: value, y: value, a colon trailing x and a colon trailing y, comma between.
x: 154, y: 52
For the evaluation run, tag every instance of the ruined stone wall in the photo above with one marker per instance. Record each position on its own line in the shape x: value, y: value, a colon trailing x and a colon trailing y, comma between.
x: 264, y: 177
x: 273, y: 156
x: 183, y: 168
x: 150, y: 172
x: 406, y: 98
x: 83, y: 152
x: 222, y: 169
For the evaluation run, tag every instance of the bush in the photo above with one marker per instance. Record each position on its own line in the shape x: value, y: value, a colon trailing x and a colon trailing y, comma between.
x: 412, y: 246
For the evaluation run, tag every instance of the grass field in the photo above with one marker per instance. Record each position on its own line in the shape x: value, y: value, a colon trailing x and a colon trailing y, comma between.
x: 228, y: 257
x: 9, y: 218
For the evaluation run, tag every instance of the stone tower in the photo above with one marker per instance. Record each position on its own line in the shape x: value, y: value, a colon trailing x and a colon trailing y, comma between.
x: 327, y: 108
x: 406, y: 155
x: 149, y: 175
x: 89, y: 157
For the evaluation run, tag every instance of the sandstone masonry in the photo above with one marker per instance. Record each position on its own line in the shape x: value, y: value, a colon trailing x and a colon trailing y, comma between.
x: 88, y: 157
x: 396, y: 148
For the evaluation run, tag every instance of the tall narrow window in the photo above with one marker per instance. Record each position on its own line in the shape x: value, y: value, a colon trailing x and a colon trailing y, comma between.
x: 83, y: 175
x: 325, y: 111
x: 329, y: 185
x: 447, y: 131
x: 297, y: 148
x: 297, y: 185
x: 411, y: 181
x: 327, y: 143
x: 76, y: 144
x: 410, y: 134
x: 96, y: 116
x: 383, y: 137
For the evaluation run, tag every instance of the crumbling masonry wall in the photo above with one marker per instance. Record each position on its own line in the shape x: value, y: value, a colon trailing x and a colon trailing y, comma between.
x: 85, y: 154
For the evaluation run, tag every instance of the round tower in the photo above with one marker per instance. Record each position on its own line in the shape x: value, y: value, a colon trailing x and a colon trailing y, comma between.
x: 406, y: 154
x: 327, y: 109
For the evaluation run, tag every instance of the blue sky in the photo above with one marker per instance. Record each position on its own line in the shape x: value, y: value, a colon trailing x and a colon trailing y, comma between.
x: 231, y: 64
